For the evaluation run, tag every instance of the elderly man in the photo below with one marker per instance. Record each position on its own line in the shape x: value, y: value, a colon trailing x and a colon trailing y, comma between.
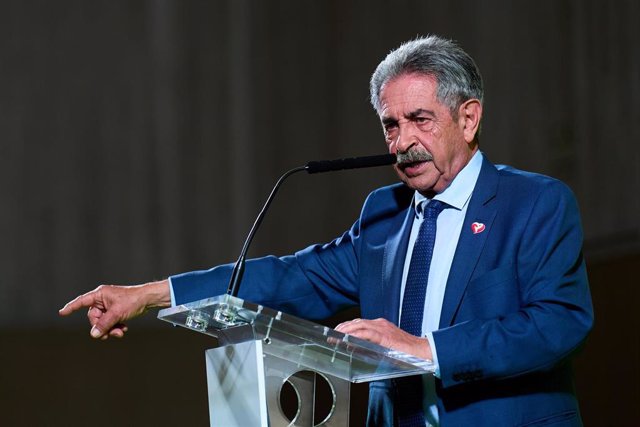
x: 474, y: 266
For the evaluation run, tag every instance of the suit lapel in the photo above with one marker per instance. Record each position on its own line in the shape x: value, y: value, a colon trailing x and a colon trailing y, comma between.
x: 482, y: 211
x: 395, y: 253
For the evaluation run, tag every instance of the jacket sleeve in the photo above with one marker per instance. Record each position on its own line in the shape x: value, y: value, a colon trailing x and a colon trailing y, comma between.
x: 553, y: 313
x: 313, y: 283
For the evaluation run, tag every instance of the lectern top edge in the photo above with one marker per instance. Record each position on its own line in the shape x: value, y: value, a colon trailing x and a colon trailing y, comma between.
x: 312, y: 346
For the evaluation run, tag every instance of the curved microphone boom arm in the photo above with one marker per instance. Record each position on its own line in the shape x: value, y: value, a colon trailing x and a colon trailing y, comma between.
x: 311, y: 167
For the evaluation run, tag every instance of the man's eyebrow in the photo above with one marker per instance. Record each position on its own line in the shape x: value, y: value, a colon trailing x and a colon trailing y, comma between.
x: 418, y: 112
x: 410, y: 116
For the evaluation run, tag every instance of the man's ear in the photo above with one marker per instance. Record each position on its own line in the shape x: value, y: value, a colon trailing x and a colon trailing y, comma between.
x: 469, y: 116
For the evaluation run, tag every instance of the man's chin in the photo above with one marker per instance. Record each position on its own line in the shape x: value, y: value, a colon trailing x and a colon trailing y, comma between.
x: 422, y: 186
x: 418, y: 185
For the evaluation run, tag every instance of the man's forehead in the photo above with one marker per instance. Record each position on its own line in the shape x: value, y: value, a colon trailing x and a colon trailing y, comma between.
x: 410, y: 81
x: 408, y: 101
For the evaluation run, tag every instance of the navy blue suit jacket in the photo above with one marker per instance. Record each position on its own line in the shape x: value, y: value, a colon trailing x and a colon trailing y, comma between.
x: 516, y: 305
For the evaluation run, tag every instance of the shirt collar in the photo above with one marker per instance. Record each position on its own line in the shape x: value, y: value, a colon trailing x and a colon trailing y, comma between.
x: 458, y: 193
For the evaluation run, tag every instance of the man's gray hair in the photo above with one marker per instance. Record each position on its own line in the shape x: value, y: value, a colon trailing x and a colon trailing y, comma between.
x: 456, y: 74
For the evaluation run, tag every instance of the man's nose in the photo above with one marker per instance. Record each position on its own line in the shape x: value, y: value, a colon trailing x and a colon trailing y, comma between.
x: 406, y: 136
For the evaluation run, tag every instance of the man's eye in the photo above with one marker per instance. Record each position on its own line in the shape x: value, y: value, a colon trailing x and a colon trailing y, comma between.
x: 422, y: 120
x: 388, y: 127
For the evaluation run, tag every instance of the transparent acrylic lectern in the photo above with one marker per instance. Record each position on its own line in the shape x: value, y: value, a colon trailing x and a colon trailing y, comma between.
x: 262, y: 352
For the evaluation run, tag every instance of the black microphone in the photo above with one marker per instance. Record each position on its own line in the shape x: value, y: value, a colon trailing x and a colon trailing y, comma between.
x: 350, y: 163
x: 311, y: 167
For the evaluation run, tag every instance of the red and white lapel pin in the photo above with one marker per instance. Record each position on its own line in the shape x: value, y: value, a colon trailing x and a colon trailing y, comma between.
x: 477, y: 227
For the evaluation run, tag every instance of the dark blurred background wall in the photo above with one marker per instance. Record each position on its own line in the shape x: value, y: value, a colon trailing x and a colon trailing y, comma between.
x: 139, y: 138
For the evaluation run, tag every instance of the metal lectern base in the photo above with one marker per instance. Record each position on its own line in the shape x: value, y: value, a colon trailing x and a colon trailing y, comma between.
x: 247, y: 387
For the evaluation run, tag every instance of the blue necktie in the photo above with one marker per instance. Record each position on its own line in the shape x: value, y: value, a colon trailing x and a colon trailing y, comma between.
x: 409, y: 411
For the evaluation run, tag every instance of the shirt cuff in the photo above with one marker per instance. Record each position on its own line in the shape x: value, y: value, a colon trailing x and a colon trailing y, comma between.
x: 434, y: 355
x: 173, y: 297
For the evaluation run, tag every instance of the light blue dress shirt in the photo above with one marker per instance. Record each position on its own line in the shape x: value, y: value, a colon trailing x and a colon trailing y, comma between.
x: 449, y: 227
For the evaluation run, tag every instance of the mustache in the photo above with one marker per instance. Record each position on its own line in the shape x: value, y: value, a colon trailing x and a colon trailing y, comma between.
x: 413, y: 156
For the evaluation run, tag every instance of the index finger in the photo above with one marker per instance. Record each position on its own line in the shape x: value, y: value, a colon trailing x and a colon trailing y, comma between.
x: 86, y: 300
x: 352, y: 325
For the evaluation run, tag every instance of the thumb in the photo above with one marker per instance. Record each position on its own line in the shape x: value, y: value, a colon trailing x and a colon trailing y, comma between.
x: 104, y: 324
x: 95, y: 332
